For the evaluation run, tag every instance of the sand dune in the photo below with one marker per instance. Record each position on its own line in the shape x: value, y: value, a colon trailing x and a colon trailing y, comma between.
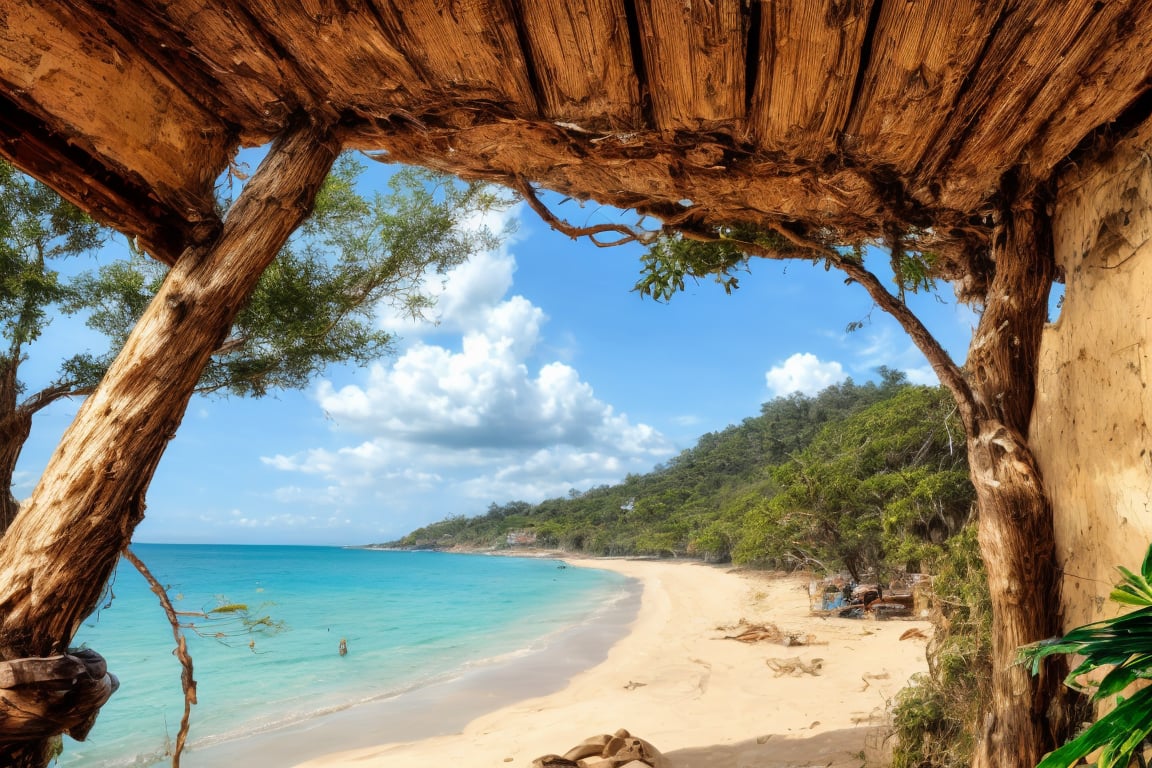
x: 704, y: 701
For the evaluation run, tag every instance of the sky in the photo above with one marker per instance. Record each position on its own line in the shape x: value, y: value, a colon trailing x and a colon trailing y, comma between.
x: 539, y: 371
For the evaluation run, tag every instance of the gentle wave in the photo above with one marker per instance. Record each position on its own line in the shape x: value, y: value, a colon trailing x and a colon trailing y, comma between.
x: 413, y: 622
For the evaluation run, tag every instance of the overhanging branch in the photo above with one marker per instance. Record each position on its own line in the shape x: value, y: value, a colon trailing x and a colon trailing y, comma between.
x: 187, y: 682
x: 627, y: 234
x: 807, y: 248
x: 49, y: 395
x: 950, y: 374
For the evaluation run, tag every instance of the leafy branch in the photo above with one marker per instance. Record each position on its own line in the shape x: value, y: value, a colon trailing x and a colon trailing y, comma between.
x: 1124, y: 644
x: 236, y: 620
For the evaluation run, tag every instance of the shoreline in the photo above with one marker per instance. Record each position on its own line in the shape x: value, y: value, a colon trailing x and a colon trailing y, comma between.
x: 443, y: 707
x: 674, y: 680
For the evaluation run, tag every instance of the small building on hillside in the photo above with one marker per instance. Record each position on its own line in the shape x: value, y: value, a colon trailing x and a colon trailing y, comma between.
x: 521, y: 538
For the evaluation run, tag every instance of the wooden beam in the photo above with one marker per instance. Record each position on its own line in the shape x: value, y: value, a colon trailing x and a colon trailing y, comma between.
x: 91, y: 87
x: 360, y: 72
x: 122, y: 203
x: 218, y: 55
x: 583, y: 61
x: 1033, y: 70
x: 646, y: 170
x: 809, y: 54
x: 695, y: 56
x: 465, y: 52
x: 923, y: 55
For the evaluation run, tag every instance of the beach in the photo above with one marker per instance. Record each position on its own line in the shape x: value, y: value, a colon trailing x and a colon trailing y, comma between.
x: 674, y: 679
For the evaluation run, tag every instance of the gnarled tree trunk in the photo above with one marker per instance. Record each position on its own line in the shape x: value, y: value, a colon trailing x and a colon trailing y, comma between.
x: 994, y: 394
x: 15, y: 424
x: 1016, y: 529
x: 60, y: 551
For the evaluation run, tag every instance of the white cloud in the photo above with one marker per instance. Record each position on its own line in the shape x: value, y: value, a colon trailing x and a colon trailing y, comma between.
x: 283, y: 521
x: 481, y: 419
x: 483, y: 396
x: 466, y: 291
x: 922, y: 374
x: 802, y: 372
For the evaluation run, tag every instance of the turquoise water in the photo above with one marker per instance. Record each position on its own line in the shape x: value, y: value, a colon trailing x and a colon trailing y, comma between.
x: 409, y: 619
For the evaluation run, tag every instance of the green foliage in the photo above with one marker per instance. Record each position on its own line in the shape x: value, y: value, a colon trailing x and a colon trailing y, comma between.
x: 672, y: 259
x: 229, y: 608
x: 851, y: 477
x: 227, y: 623
x: 1123, y: 645
x: 912, y: 268
x: 881, y: 483
x: 936, y: 717
x: 315, y: 303
x: 37, y: 230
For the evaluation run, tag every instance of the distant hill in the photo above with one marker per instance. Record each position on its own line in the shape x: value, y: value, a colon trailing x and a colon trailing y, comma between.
x: 858, y: 477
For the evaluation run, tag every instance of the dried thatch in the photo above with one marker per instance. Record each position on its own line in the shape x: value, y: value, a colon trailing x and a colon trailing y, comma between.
x: 838, y: 117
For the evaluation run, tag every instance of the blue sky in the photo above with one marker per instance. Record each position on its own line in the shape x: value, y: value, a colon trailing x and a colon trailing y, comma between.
x: 544, y: 373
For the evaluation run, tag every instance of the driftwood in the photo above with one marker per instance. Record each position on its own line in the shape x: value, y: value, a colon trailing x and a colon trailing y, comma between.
x: 770, y: 633
x: 42, y: 697
x: 617, y: 750
x: 795, y: 666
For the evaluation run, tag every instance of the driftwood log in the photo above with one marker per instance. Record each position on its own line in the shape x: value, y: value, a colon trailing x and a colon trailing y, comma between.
x: 42, y: 697
x: 615, y: 750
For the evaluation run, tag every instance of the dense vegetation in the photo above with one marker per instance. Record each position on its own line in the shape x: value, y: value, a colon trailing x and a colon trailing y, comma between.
x: 860, y: 477
x: 869, y: 479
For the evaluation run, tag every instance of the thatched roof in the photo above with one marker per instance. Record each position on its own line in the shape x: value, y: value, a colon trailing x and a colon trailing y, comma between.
x: 831, y: 115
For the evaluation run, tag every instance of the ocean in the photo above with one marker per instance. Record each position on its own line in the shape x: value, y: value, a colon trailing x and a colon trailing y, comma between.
x: 409, y: 621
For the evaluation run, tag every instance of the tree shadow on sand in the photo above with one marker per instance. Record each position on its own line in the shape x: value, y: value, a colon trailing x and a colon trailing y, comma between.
x: 845, y: 748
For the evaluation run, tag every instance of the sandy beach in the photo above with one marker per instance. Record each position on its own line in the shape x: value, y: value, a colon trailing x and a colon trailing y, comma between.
x: 702, y: 700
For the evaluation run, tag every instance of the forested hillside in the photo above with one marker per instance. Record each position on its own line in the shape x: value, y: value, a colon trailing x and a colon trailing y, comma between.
x: 857, y: 477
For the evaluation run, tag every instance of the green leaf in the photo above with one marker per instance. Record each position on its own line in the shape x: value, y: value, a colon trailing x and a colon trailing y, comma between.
x: 230, y: 608
x: 1123, y: 643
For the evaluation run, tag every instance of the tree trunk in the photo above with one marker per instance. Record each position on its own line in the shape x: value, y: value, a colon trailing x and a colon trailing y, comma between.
x: 60, y: 551
x: 994, y: 395
x: 1016, y: 529
x: 15, y: 424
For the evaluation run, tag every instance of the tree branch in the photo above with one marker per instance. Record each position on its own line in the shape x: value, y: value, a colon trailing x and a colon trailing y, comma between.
x: 950, y: 374
x: 51, y: 394
x: 181, y: 652
x: 946, y: 369
x: 628, y: 234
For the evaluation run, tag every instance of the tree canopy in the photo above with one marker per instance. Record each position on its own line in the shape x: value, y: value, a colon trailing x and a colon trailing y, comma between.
x: 863, y: 477
x: 316, y: 305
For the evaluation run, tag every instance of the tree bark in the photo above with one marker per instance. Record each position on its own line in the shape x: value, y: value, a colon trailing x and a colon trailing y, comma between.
x: 994, y: 395
x: 61, y: 549
x: 1015, y: 526
x: 15, y: 425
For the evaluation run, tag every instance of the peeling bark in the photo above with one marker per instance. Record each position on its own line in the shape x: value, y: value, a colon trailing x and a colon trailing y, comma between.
x: 15, y: 425
x: 995, y: 394
x: 1016, y: 530
x: 60, y: 551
